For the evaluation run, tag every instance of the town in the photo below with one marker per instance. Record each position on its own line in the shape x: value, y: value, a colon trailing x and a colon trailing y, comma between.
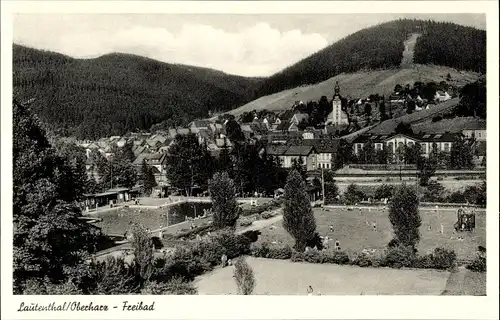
x: 358, y: 168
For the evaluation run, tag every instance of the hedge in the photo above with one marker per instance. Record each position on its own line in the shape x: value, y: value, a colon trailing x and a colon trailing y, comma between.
x: 396, y: 257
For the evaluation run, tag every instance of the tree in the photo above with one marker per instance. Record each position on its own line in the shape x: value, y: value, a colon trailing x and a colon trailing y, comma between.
x: 148, y: 178
x: 331, y: 188
x: 143, y: 252
x: 49, y: 238
x: 76, y: 160
x: 368, y: 110
x: 381, y: 109
x: 412, y: 153
x: 404, y: 216
x: 343, y: 156
x: 298, y: 217
x: 384, y: 191
x: 368, y: 154
x: 410, y: 106
x: 398, y: 88
x: 126, y: 152
x: 118, y: 172
x: 353, y: 194
x: 404, y: 128
x: 461, y: 154
x: 233, y: 131
x: 427, y: 168
x: 189, y: 163
x: 224, y: 204
x: 299, y: 166
x: 382, y: 155
x: 473, y: 100
x: 244, y: 277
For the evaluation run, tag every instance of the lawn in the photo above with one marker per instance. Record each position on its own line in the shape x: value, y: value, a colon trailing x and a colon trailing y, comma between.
x: 280, y: 277
x: 354, y: 230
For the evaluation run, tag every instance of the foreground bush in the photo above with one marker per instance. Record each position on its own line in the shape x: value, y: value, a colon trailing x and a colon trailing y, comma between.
x: 244, y: 277
x: 479, y: 264
x: 197, y: 258
x: 315, y: 256
x: 443, y: 258
x: 272, y: 252
x: 399, y: 257
x: 175, y: 286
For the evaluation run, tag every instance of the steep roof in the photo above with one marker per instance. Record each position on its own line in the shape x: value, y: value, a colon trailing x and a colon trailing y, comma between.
x: 276, y: 149
x: 299, y: 150
x: 322, y: 145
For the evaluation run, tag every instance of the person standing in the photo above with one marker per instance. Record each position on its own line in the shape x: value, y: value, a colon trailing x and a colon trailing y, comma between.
x: 310, y: 291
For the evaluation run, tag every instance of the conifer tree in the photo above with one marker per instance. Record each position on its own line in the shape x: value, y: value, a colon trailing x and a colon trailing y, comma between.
x: 224, y: 204
x: 298, y: 217
x: 49, y: 238
x: 405, y: 217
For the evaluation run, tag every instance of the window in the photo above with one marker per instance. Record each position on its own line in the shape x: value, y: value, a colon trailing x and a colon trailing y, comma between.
x: 447, y: 147
x: 437, y: 136
x: 426, y: 136
x: 424, y: 147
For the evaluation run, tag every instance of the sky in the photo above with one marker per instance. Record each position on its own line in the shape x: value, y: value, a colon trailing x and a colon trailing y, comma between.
x: 247, y: 45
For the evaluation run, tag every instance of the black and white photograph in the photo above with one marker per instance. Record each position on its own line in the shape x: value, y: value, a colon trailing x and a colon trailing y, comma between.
x: 327, y: 154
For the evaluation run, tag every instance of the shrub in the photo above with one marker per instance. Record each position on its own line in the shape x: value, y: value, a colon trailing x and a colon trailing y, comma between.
x: 362, y: 260
x: 190, y: 234
x: 353, y: 194
x: 244, y: 277
x: 311, y: 256
x: 232, y: 245
x: 478, y: 264
x: 267, y: 215
x: 261, y: 251
x: 251, y: 235
x: 272, y: 252
x: 246, y: 222
x: 36, y: 287
x: 399, y: 257
x: 443, y: 258
x: 315, y: 242
x: 336, y: 257
x: 112, y: 276
x: 384, y: 191
x: 456, y: 197
x: 175, y: 286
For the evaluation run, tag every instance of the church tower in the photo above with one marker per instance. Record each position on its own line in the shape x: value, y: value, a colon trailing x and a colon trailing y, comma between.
x: 338, y: 116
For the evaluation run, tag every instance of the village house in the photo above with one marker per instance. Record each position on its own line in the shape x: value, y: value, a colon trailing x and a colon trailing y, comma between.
x: 441, y: 96
x: 199, y: 124
x: 394, y: 143
x: 325, y: 150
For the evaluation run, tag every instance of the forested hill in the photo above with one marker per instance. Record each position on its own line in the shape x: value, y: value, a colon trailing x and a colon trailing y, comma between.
x: 381, y: 47
x: 116, y: 93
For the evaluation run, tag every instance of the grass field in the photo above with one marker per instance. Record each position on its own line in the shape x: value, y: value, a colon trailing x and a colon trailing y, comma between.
x: 279, y: 277
x: 354, y: 230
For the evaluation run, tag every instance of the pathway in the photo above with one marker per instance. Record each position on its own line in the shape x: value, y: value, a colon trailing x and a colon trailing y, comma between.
x: 260, y: 224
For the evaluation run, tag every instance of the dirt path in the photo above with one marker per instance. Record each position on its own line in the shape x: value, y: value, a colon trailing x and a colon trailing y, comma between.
x: 259, y: 224
x: 408, y: 53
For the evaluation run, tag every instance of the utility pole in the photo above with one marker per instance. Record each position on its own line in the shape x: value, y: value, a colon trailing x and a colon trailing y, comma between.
x: 323, y: 184
x: 111, y: 174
